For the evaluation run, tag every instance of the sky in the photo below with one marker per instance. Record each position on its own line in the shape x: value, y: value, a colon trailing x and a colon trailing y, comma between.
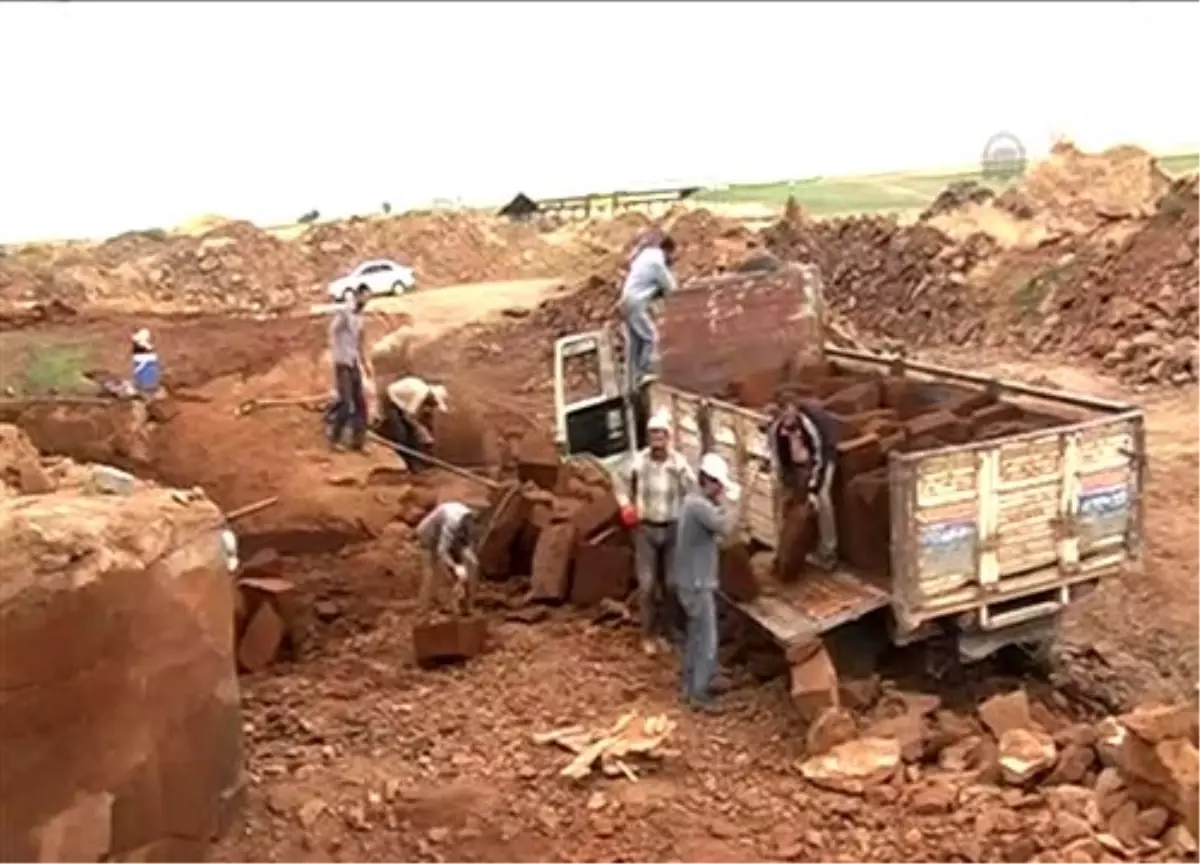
x: 130, y: 116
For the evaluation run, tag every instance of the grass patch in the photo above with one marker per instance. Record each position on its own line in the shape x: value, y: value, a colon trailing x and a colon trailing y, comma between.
x: 880, y: 193
x: 55, y: 369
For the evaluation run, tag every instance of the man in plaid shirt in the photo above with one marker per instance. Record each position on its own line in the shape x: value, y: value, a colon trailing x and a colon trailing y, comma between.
x: 658, y: 478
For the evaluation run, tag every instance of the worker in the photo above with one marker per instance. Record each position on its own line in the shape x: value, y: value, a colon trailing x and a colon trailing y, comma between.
x: 802, y: 441
x: 650, y: 494
x: 350, y: 365
x: 145, y: 369
x: 406, y: 414
x: 705, y: 519
x: 649, y: 279
x: 447, y: 537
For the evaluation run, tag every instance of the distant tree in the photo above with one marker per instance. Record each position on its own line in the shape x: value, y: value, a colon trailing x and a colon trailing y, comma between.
x: 387, y: 207
x: 310, y: 216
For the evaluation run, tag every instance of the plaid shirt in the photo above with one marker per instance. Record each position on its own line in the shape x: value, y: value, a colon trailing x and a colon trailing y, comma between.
x: 660, y: 486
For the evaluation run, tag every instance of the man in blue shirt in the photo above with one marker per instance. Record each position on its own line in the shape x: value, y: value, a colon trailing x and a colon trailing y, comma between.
x: 649, y: 279
x: 705, y: 518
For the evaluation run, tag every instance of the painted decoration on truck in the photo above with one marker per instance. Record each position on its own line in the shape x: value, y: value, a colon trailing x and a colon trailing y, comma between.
x: 1104, y: 506
x: 947, y: 540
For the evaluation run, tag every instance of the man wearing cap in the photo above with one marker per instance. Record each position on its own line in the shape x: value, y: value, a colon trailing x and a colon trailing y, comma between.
x: 705, y: 518
x: 447, y: 536
x: 145, y: 371
x: 650, y: 496
x: 350, y: 363
x: 406, y: 415
x: 649, y: 278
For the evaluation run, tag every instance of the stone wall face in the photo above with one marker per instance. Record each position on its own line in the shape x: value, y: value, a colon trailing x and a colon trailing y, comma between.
x: 120, y: 731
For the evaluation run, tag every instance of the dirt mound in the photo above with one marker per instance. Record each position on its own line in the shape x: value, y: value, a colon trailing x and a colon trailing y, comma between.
x: 956, y: 196
x: 906, y: 284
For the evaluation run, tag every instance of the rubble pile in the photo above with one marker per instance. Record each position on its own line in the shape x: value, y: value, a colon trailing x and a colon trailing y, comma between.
x: 1134, y: 307
x: 138, y: 576
x: 904, y: 284
x: 1125, y: 786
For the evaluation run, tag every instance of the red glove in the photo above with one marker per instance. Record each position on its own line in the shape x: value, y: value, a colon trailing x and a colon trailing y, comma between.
x: 629, y: 515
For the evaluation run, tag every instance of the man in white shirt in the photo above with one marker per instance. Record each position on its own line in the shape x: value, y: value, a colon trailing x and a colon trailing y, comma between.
x: 406, y: 414
x: 649, y: 279
x: 650, y: 495
x: 447, y: 536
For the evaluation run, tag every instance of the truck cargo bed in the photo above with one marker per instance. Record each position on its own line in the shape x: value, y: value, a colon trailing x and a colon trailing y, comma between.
x: 815, y: 605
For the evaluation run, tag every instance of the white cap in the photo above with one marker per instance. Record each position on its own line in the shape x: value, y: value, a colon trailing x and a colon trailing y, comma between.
x: 438, y: 392
x: 660, y: 421
x: 142, y: 337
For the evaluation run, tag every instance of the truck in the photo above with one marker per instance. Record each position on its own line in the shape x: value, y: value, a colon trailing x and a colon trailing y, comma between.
x: 984, y: 538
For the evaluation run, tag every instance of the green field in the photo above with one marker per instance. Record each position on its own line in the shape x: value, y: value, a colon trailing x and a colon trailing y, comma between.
x: 874, y: 193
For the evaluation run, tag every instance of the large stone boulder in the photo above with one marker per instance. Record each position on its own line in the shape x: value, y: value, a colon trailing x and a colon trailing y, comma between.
x: 120, y: 730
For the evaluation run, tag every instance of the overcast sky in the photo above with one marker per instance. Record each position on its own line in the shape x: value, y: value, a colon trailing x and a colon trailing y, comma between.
x: 132, y: 116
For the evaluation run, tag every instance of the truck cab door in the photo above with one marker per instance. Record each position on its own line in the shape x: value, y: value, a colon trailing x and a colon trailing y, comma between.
x: 591, y: 413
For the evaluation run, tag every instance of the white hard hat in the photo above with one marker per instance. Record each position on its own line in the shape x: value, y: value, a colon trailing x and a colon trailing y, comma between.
x: 715, y: 468
x: 660, y: 420
x: 142, y: 337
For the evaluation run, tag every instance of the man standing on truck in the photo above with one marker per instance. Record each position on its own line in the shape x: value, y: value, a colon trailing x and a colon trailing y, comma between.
x: 350, y: 363
x: 803, y: 447
x: 705, y: 518
x: 406, y: 414
x: 650, y: 496
x: 447, y: 537
x: 649, y: 279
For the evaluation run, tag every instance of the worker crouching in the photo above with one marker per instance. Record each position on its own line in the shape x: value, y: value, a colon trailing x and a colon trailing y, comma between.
x: 650, y: 496
x: 705, y: 518
x: 406, y: 414
x: 447, y: 537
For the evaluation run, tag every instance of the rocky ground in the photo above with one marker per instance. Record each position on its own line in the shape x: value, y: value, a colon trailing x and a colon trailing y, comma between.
x: 356, y: 752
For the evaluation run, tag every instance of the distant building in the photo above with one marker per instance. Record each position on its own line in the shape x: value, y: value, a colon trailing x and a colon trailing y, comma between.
x: 522, y: 207
x: 519, y: 209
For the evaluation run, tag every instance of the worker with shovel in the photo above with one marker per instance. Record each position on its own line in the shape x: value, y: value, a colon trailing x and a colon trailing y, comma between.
x: 705, y: 519
x: 649, y: 279
x: 447, y: 537
x: 350, y: 365
x: 650, y: 496
x: 406, y: 414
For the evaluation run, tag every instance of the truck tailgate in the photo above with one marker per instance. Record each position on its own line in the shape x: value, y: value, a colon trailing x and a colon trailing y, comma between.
x: 982, y: 526
x: 816, y: 604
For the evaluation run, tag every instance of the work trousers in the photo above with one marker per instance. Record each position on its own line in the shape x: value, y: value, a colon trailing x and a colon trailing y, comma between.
x: 398, y: 427
x: 700, y: 643
x: 640, y: 338
x: 350, y: 409
x: 653, y: 549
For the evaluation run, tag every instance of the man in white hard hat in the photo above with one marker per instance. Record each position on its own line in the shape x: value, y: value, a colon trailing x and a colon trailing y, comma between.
x: 406, y: 414
x: 447, y: 537
x: 705, y: 518
x: 650, y: 495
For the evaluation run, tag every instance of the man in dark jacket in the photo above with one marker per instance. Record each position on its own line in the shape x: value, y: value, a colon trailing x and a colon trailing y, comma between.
x: 803, y: 446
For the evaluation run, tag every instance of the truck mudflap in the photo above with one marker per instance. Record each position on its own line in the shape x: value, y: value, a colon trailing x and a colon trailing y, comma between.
x: 817, y: 603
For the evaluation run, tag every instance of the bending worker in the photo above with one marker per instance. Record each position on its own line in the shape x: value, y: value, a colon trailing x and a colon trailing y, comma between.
x: 705, y: 518
x: 350, y: 364
x: 447, y: 537
x: 652, y: 492
x: 649, y: 279
x: 802, y: 441
x: 406, y: 412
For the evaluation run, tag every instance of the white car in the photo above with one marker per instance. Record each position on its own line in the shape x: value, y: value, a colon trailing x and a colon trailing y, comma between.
x: 379, y: 277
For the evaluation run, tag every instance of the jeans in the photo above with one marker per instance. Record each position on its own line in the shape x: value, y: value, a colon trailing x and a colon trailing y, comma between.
x: 653, y: 548
x: 700, y: 644
x: 640, y: 337
x: 397, y: 427
x: 351, y: 406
